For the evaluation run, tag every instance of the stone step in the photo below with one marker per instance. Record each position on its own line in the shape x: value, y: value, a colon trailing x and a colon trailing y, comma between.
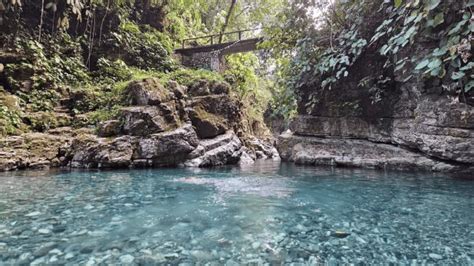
x: 61, y: 109
x: 65, y: 101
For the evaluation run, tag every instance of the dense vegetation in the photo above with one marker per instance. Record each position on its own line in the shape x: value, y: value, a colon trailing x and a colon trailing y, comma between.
x: 92, y: 48
x: 326, y: 50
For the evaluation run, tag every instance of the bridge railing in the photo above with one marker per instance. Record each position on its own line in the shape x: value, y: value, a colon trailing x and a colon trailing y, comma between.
x: 215, y: 38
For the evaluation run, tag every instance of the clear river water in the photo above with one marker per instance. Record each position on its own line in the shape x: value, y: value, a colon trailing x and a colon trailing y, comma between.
x: 269, y: 213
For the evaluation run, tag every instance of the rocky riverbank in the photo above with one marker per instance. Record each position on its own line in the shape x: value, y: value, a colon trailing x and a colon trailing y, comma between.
x: 415, y: 126
x: 169, y: 125
x: 427, y: 132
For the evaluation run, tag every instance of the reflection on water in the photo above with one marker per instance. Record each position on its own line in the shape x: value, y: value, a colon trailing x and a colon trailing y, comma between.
x: 266, y: 213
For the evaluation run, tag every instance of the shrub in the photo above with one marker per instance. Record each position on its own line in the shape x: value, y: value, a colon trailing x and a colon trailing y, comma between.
x: 112, y: 71
x: 143, y: 47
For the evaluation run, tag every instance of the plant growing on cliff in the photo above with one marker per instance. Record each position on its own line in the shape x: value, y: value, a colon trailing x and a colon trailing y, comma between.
x: 10, y: 121
x: 324, y: 52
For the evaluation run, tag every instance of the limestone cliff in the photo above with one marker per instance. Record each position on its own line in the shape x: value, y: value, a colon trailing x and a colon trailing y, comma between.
x: 385, y: 117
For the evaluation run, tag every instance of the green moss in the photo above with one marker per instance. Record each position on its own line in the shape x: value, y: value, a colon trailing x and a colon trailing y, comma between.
x: 204, y: 115
x: 104, y: 114
x: 42, y: 121
x: 142, y: 46
x: 40, y: 100
x: 112, y: 71
x: 187, y: 77
x: 10, y: 121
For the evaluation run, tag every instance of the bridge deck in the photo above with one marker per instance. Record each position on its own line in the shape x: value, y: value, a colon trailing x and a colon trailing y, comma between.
x: 226, y: 48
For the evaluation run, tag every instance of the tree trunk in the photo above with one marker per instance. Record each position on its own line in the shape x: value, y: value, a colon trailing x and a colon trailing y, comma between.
x: 227, y: 19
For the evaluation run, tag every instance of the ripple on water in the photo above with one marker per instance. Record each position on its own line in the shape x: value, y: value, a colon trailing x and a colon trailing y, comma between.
x: 267, y: 213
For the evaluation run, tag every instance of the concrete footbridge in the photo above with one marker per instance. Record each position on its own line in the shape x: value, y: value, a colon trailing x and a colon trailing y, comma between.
x: 211, y: 54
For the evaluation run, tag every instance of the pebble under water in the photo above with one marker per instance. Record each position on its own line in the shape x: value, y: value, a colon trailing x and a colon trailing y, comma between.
x: 268, y: 213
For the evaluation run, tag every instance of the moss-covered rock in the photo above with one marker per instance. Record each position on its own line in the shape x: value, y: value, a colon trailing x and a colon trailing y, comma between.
x: 207, y: 125
x: 109, y: 128
x: 146, y: 120
x: 148, y: 91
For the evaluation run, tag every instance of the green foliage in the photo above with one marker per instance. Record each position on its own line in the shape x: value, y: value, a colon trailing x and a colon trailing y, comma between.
x: 241, y: 73
x: 188, y: 77
x: 112, y: 71
x: 283, y: 102
x: 323, y: 53
x: 10, y: 121
x: 142, y: 47
x: 42, y: 68
x: 253, y: 89
x: 104, y: 114
x: 192, y: 18
x: 40, y: 100
x: 453, y: 52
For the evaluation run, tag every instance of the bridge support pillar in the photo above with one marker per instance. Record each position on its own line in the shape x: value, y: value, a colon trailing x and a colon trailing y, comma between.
x: 207, y: 60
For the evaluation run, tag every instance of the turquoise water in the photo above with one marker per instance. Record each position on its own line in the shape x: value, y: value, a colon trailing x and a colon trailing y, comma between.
x: 267, y: 213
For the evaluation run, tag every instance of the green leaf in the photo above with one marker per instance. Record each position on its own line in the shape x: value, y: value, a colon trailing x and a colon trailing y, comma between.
x: 435, y: 71
x: 469, y: 86
x: 440, y: 51
x: 457, y: 75
x: 433, y: 4
x: 398, y: 3
x: 407, y: 78
x: 435, y: 63
x: 457, y: 28
x: 422, y: 64
x: 438, y: 19
x: 469, y: 66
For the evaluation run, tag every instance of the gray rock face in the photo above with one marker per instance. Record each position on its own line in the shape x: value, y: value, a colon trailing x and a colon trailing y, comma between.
x: 164, y: 127
x: 435, y: 132
x: 146, y: 120
x: 263, y: 149
x: 168, y: 148
x: 109, y: 128
x: 89, y: 151
x: 178, y: 90
x: 409, y: 116
x: 438, y: 137
x: 355, y: 153
x: 224, y: 149
x: 207, y: 125
x: 161, y: 149
x: 35, y: 150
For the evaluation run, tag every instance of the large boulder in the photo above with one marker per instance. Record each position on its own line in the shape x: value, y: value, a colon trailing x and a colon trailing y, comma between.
x: 263, y: 149
x: 219, y: 87
x: 32, y: 150
x: 222, y: 150
x: 89, y: 151
x: 146, y: 120
x: 207, y: 125
x: 199, y: 88
x: 357, y: 153
x: 109, y: 128
x: 147, y: 92
x: 178, y: 90
x: 219, y: 110
x: 167, y: 148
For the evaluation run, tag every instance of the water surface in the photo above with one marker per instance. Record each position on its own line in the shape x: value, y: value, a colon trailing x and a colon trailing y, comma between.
x: 266, y: 213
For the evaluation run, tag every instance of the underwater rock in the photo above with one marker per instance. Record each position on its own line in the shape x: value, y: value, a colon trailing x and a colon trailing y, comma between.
x: 127, y: 259
x: 340, y: 234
